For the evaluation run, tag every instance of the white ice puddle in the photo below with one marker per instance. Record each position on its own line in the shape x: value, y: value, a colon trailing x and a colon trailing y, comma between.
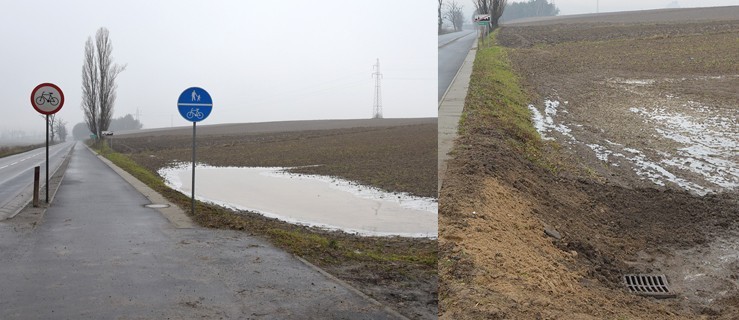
x: 709, y: 140
x: 313, y: 200
x: 544, y: 123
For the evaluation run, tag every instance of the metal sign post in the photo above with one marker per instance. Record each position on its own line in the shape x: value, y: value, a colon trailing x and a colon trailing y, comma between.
x: 47, y: 99
x: 47, y: 158
x: 109, y: 134
x: 483, y: 20
x: 192, y: 197
x: 194, y: 104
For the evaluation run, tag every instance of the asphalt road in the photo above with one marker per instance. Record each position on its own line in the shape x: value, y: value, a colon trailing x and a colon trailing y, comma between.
x: 453, y: 48
x: 16, y: 171
x: 99, y: 254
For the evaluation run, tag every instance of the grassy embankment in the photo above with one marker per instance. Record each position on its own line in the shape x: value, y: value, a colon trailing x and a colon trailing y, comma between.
x: 496, y: 104
x: 316, y: 245
x: 497, y: 141
x: 11, y: 150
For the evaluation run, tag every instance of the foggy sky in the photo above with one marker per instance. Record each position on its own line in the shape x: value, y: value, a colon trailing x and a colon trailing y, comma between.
x: 589, y: 6
x: 259, y: 60
x: 567, y: 7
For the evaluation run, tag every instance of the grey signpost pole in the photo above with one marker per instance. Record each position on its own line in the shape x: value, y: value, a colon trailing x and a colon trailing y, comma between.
x: 194, y: 104
x: 193, y: 168
x: 47, y: 158
x: 47, y: 98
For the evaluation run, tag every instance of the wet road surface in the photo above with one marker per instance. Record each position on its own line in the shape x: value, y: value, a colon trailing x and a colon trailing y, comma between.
x: 16, y: 173
x: 453, y: 48
x: 100, y: 254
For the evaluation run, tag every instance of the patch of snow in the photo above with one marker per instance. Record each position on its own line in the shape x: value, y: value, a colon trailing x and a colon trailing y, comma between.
x: 658, y: 174
x: 545, y: 122
x: 638, y: 82
x: 710, y: 142
x: 538, y: 120
x: 600, y: 152
x: 709, y: 139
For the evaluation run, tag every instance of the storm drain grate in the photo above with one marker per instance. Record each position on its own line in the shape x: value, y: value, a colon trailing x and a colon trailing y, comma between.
x: 653, y: 285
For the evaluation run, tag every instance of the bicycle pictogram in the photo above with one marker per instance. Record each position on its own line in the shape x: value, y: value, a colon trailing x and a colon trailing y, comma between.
x: 195, y: 113
x: 47, y: 97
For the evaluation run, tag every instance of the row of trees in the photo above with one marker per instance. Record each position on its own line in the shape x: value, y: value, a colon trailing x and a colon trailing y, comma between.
x: 492, y: 7
x: 497, y: 9
x: 454, y: 15
x: 99, y: 75
x: 453, y: 12
x: 57, y: 128
x: 81, y: 131
x: 531, y: 8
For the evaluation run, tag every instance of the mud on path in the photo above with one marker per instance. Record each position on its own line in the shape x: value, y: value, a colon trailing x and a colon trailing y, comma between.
x: 641, y: 129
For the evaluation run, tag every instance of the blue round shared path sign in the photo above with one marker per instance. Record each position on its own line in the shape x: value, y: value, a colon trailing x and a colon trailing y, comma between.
x: 195, y: 104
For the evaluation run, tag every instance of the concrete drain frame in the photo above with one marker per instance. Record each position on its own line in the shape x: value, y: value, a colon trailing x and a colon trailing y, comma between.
x: 651, y: 285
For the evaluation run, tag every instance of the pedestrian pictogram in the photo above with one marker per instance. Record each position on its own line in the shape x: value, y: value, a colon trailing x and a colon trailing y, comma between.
x: 194, y: 104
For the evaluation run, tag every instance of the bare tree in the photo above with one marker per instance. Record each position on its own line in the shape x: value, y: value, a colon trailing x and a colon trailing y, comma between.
x: 492, y: 7
x: 98, y: 82
x: 52, y: 126
x: 90, y: 87
x: 61, y: 129
x: 454, y: 15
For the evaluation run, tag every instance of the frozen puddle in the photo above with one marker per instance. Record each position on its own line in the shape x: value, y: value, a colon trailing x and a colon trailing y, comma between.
x: 312, y: 200
x: 710, y: 142
x: 708, y: 139
x: 544, y: 123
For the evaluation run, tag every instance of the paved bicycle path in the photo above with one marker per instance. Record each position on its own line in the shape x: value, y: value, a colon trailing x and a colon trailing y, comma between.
x: 450, y: 111
x: 100, y: 254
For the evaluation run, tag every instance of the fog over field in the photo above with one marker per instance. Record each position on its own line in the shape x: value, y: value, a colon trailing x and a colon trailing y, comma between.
x: 260, y: 60
x: 590, y: 6
x: 570, y: 7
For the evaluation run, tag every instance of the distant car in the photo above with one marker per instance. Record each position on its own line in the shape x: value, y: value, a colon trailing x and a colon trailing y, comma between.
x: 107, y: 133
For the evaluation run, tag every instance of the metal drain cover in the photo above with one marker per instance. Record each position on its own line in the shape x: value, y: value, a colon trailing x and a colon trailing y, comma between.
x: 156, y: 205
x: 653, y: 285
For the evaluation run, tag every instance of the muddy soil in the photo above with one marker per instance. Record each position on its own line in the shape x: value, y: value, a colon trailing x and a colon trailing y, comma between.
x: 640, y: 121
x: 397, y: 155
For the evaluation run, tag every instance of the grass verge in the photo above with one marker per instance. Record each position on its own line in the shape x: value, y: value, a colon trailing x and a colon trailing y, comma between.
x: 496, y: 99
x: 11, y: 150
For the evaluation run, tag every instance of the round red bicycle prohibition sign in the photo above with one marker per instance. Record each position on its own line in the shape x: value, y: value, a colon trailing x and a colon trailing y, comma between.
x: 47, y: 98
